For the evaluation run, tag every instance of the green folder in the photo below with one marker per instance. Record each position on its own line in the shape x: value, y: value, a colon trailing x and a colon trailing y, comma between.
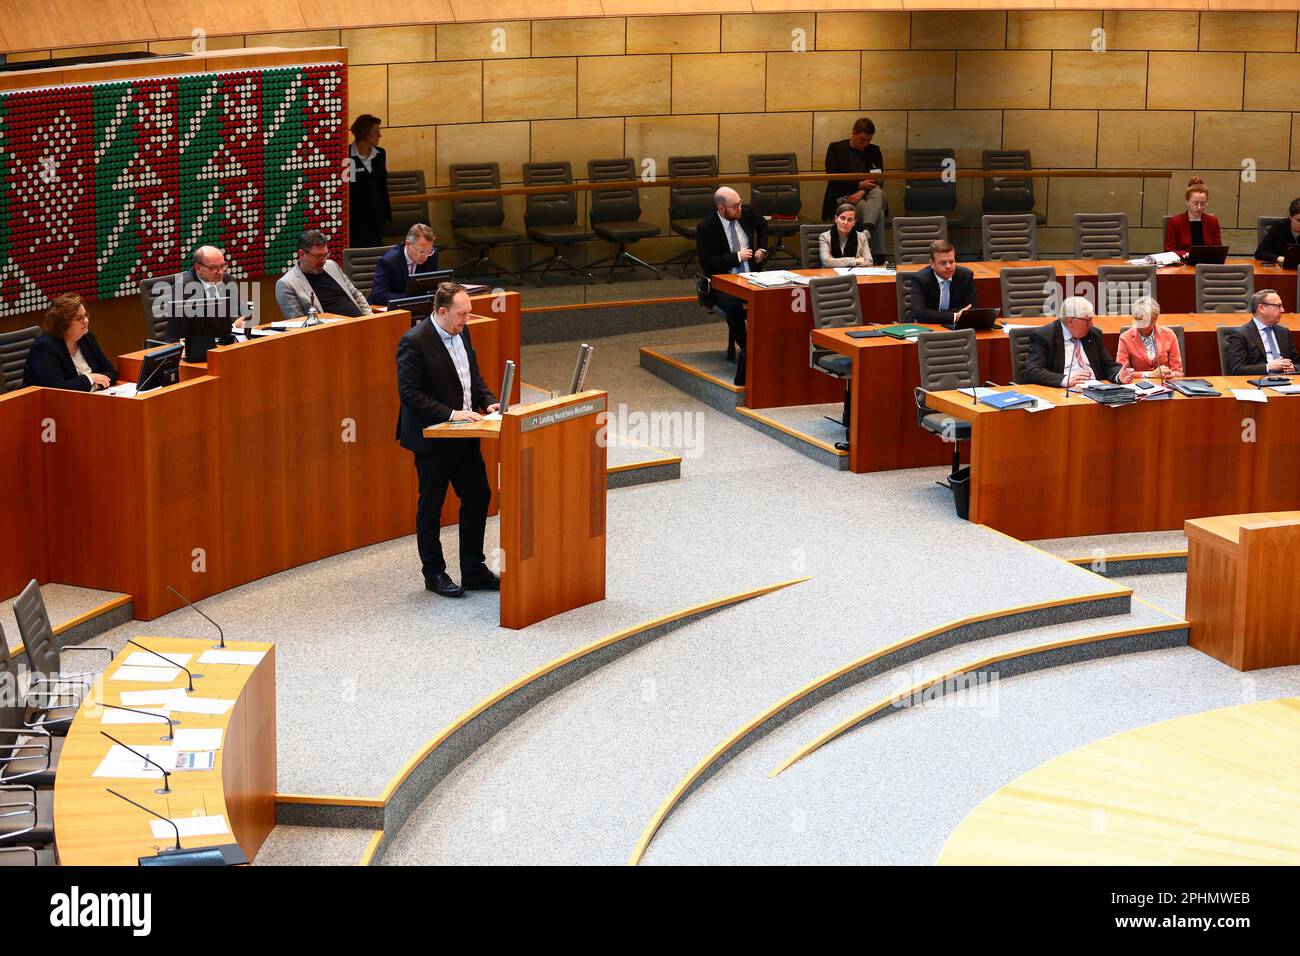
x: 904, y: 331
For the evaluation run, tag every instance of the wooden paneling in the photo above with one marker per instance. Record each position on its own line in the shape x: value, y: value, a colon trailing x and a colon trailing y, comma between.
x: 24, y: 553
x: 95, y: 828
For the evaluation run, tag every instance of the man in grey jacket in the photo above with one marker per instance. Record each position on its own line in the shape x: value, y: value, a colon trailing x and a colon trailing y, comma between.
x: 317, y: 281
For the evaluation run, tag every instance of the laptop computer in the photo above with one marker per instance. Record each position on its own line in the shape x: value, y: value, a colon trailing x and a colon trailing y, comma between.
x: 1209, y: 255
x: 981, y: 320
x: 1291, y: 257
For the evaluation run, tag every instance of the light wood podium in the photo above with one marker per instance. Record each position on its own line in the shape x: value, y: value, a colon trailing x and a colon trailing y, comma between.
x: 1241, y: 605
x: 552, y: 496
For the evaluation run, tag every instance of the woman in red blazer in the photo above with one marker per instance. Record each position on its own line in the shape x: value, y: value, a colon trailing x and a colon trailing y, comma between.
x: 1196, y: 227
x: 1150, y: 350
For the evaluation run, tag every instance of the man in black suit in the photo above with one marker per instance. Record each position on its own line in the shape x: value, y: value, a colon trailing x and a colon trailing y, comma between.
x: 732, y: 240
x: 1262, y: 345
x: 1071, y: 351
x: 438, y: 381
x: 1283, y: 233
x: 943, y: 290
x: 204, y: 290
x: 415, y: 256
x: 858, y: 157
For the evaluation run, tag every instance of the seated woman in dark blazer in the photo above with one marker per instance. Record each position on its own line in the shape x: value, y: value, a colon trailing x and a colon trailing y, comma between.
x: 67, y: 355
x: 1196, y: 227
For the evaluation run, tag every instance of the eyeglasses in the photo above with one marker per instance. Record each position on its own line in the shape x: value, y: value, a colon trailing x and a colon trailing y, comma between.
x: 1272, y: 305
x: 217, y: 268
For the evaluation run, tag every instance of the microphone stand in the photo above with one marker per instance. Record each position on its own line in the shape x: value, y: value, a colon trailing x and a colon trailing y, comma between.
x: 161, y: 657
x: 166, y: 787
x: 171, y: 724
x: 171, y: 823
x: 194, y: 607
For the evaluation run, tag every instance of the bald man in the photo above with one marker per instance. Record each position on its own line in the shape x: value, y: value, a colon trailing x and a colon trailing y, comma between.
x: 732, y: 240
x: 204, y: 289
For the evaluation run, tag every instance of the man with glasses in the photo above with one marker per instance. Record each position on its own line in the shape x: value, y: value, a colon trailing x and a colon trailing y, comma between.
x: 1071, y: 352
x: 416, y: 256
x: 733, y: 240
x: 204, y: 289
x: 1262, y: 345
x: 317, y: 282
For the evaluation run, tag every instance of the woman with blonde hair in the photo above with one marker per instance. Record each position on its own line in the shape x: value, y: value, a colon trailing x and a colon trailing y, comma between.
x: 1149, y: 349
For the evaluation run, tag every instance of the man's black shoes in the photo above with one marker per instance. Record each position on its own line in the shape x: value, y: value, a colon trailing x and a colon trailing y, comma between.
x: 481, y: 579
x: 444, y: 585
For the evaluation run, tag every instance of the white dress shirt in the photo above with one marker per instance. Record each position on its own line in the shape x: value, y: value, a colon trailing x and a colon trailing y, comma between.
x: 459, y: 358
x: 363, y: 160
x: 1074, y: 358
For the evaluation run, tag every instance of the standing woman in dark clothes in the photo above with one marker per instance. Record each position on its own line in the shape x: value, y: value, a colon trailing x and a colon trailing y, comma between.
x: 369, y: 206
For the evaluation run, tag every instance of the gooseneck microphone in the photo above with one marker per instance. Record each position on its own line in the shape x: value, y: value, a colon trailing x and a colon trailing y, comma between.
x: 166, y: 787
x: 162, y: 657
x: 194, y: 607
x: 171, y: 724
x: 169, y: 822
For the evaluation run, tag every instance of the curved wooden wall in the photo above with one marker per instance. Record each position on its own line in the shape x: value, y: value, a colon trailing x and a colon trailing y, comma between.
x: 49, y: 24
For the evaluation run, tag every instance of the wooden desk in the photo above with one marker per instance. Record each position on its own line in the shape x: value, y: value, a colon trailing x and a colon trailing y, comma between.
x: 283, y: 454
x: 885, y: 434
x: 1241, y: 612
x: 94, y: 828
x: 780, y: 320
x: 1084, y: 469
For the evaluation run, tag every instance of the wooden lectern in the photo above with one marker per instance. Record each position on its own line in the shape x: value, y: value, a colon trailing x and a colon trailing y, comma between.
x: 1241, y: 605
x: 552, y: 495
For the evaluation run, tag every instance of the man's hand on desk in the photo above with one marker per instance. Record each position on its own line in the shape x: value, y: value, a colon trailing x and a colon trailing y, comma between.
x: 1281, y: 365
x: 465, y: 415
x: 494, y: 408
x: 1078, y: 376
x: 1126, y: 375
x: 959, y: 313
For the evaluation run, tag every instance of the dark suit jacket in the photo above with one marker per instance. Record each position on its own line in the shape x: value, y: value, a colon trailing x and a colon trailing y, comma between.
x: 714, y: 249
x: 925, y: 295
x: 50, y: 364
x: 369, y: 206
x: 191, y: 289
x: 1046, y: 361
x: 1275, y: 241
x: 1178, y: 232
x: 841, y: 157
x: 429, y: 388
x: 391, y: 274
x: 1246, y: 354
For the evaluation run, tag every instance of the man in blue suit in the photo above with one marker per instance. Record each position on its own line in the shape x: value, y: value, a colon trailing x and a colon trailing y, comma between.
x: 416, y: 255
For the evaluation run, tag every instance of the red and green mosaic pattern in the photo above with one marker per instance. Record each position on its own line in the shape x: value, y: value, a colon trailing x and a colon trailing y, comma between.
x: 105, y: 184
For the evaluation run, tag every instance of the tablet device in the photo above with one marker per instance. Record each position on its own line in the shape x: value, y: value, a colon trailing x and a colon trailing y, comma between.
x: 1291, y: 257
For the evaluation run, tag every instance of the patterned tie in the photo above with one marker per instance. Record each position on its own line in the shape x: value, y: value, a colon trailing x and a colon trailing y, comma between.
x: 1079, y: 358
x: 1270, y: 344
x: 943, y: 293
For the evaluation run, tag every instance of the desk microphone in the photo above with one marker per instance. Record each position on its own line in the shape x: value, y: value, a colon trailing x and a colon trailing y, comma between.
x: 166, y: 787
x: 190, y: 689
x: 222, y: 645
x: 171, y: 724
x: 1068, y: 369
x: 171, y: 823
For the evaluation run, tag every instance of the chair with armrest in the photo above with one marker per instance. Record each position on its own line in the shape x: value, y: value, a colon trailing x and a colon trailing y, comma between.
x: 835, y: 305
x: 948, y: 360
x: 551, y: 219
x: 14, y: 347
x: 615, y: 214
x: 687, y: 205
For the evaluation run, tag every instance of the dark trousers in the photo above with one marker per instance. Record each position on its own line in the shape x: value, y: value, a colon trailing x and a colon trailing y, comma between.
x: 461, y: 465
x: 735, y: 311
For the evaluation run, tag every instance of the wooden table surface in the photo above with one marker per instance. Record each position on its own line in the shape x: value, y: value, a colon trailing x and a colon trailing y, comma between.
x: 1084, y: 469
x: 780, y: 320
x: 95, y: 828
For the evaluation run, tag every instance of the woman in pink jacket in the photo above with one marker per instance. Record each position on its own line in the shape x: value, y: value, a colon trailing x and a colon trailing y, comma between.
x: 1149, y: 349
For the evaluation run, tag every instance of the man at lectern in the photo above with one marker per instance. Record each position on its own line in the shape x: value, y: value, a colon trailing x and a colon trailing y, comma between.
x: 438, y: 381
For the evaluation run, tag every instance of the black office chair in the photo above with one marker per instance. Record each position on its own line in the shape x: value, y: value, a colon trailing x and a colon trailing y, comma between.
x: 1009, y: 237
x: 810, y: 255
x: 779, y: 202
x: 1118, y: 287
x: 1222, y: 335
x: 52, y: 693
x: 406, y: 212
x: 478, y: 222
x: 14, y: 347
x: 1026, y: 291
x: 835, y: 305
x: 688, y: 205
x: 928, y: 197
x: 948, y: 360
x: 551, y: 219
x: 1224, y: 288
x: 1018, y: 339
x: 359, y: 266
x: 1009, y: 194
x: 616, y: 214
x: 156, y: 295
x: 903, y: 294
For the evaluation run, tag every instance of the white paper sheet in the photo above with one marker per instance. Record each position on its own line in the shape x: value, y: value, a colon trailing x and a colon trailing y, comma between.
x: 203, y: 738
x: 145, y: 659
x: 218, y: 656
x: 120, y: 762
x: 152, y: 698
x: 201, y: 705
x: 190, y: 827
x: 1249, y: 395
x: 151, y: 675
x: 122, y: 390
x: 864, y: 271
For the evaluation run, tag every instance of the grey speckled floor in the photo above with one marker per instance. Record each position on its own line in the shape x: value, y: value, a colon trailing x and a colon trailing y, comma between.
x: 810, y: 420
x: 1166, y: 591
x: 317, y: 846
x: 893, y: 791
x: 62, y: 601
